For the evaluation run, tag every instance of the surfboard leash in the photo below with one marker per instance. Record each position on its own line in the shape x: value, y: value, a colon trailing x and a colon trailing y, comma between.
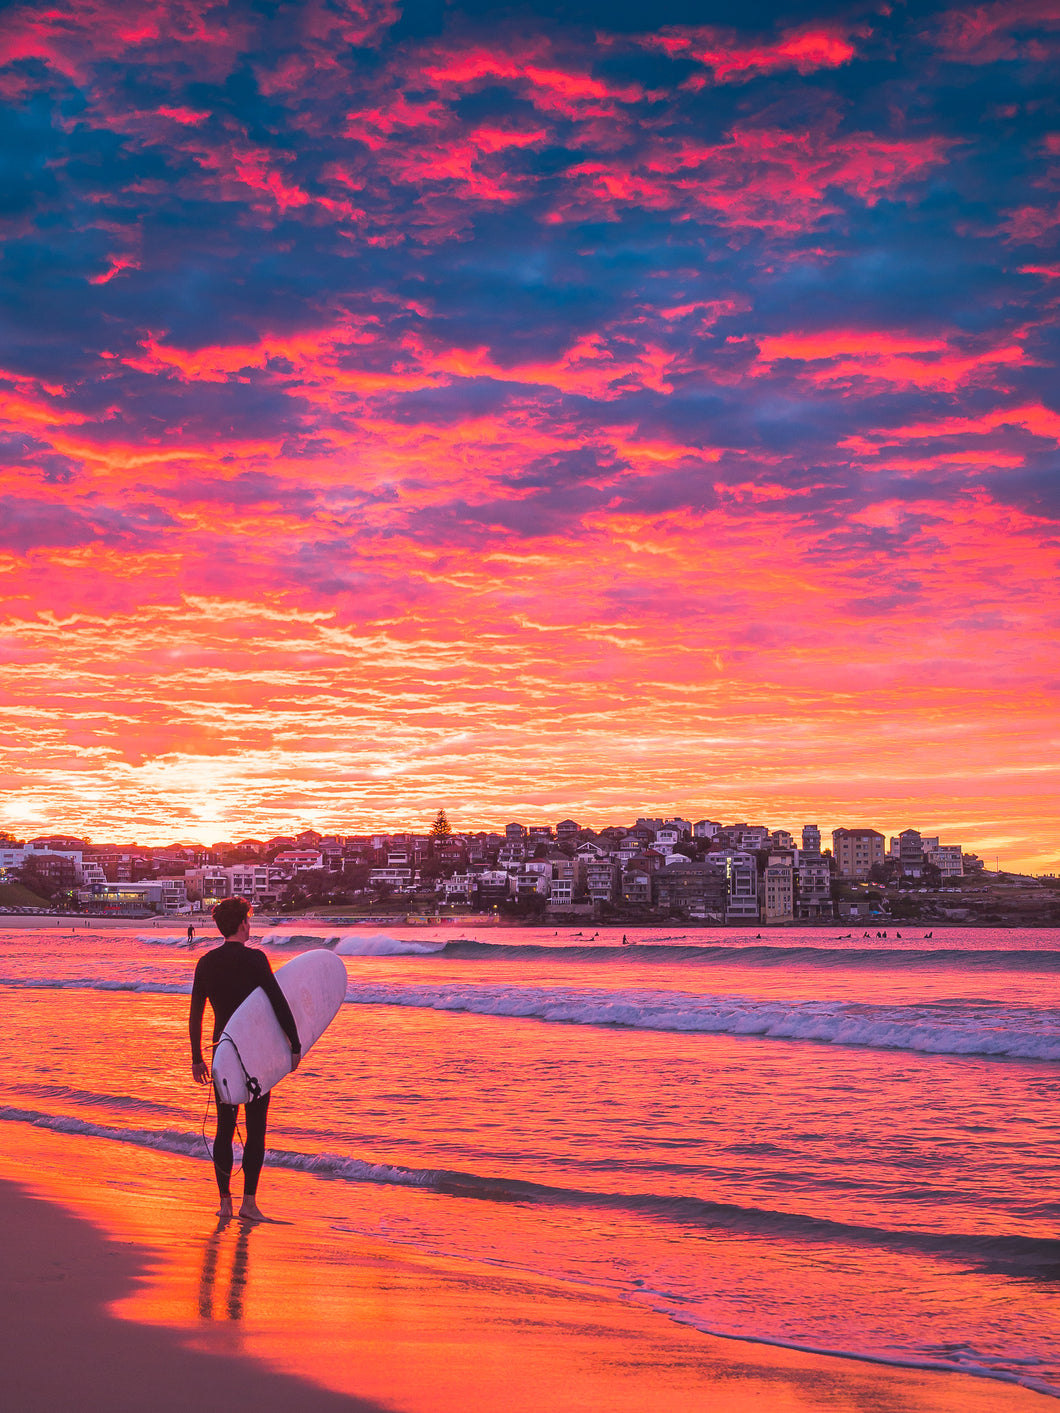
x: 206, y: 1142
x: 253, y: 1084
x: 211, y: 1096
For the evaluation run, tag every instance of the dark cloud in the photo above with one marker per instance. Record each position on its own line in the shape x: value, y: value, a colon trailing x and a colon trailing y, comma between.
x: 462, y: 182
x: 27, y: 524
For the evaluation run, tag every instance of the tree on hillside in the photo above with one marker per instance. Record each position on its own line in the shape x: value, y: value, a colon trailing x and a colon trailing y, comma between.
x: 441, y: 828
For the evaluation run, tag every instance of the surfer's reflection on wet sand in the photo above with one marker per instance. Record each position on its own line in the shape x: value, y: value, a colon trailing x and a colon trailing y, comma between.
x: 236, y: 1281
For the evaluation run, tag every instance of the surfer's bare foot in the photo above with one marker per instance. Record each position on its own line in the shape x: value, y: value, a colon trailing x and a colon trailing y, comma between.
x: 224, y: 1211
x: 251, y: 1212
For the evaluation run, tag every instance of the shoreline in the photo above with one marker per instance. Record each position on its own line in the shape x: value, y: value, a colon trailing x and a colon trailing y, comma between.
x: 159, y: 1305
x: 203, y: 924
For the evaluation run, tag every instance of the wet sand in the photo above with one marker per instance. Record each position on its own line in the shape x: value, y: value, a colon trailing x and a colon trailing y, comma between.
x: 64, y: 1349
x: 121, y: 1291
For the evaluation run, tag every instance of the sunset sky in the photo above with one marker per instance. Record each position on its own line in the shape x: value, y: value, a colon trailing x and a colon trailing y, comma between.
x: 535, y: 410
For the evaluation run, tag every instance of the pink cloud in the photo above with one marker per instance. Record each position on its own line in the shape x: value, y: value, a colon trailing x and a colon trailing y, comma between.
x: 734, y: 61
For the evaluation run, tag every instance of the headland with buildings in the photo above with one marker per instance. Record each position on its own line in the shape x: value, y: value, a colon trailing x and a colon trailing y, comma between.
x: 655, y: 869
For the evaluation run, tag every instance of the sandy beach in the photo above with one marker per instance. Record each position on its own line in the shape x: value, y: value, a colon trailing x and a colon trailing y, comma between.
x: 120, y: 1291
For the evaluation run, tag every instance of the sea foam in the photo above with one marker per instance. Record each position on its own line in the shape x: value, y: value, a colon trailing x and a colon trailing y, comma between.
x: 959, y: 1028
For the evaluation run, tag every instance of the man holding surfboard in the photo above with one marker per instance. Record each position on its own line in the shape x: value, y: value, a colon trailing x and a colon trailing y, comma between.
x: 225, y: 977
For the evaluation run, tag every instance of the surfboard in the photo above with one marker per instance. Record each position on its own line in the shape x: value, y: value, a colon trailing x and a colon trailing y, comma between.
x: 252, y: 1043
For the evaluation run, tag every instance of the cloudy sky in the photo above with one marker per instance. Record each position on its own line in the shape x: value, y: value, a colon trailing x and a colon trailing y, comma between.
x: 584, y: 408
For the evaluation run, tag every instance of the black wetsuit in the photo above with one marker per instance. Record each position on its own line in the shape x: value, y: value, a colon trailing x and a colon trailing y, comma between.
x: 226, y: 977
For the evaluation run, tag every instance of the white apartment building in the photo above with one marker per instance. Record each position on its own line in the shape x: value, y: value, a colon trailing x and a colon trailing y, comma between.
x: 815, y: 888
x: 18, y: 857
x: 260, y: 884
x: 459, y: 888
x: 543, y: 867
x: 741, y: 872
x: 947, y: 858
x: 601, y: 881
x: 292, y: 859
x: 399, y: 878
x: 561, y: 893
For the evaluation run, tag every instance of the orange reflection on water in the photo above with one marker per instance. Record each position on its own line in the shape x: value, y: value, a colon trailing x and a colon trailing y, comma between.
x: 420, y: 1333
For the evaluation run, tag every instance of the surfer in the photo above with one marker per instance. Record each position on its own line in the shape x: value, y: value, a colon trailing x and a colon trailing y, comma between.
x: 225, y: 977
x: 191, y: 935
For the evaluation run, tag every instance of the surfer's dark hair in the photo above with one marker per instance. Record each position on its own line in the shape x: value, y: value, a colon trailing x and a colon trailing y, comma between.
x: 230, y: 914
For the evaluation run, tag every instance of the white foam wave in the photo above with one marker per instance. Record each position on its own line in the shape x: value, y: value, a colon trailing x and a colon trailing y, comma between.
x: 959, y: 1028
x: 193, y: 1145
x: 968, y: 1361
x: 944, y: 1028
x: 97, y: 983
x: 382, y: 944
x: 346, y: 944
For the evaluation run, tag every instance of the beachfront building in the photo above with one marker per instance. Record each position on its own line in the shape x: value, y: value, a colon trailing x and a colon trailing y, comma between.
x: 705, y: 829
x: 561, y: 894
x: 910, y: 853
x: 637, y: 887
x: 530, y: 882
x: 460, y: 888
x: 815, y: 889
x: 601, y: 881
x: 778, y: 888
x: 261, y: 884
x: 741, y: 871
x: 947, y: 858
x: 154, y: 895
x: 697, y: 889
x: 857, y: 851
x: 398, y: 879
x: 493, y: 887
x: 811, y: 839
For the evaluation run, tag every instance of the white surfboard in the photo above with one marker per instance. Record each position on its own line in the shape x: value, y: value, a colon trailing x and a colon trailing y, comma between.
x: 252, y: 1043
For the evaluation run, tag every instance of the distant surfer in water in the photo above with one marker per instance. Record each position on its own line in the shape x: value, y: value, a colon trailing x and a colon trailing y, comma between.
x: 225, y: 977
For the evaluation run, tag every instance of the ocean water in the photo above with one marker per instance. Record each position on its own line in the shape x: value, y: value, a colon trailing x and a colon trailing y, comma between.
x: 836, y: 1143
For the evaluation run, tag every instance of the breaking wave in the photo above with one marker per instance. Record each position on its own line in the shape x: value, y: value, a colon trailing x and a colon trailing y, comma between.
x: 766, y: 955
x: 954, y: 1028
x: 966, y: 1027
